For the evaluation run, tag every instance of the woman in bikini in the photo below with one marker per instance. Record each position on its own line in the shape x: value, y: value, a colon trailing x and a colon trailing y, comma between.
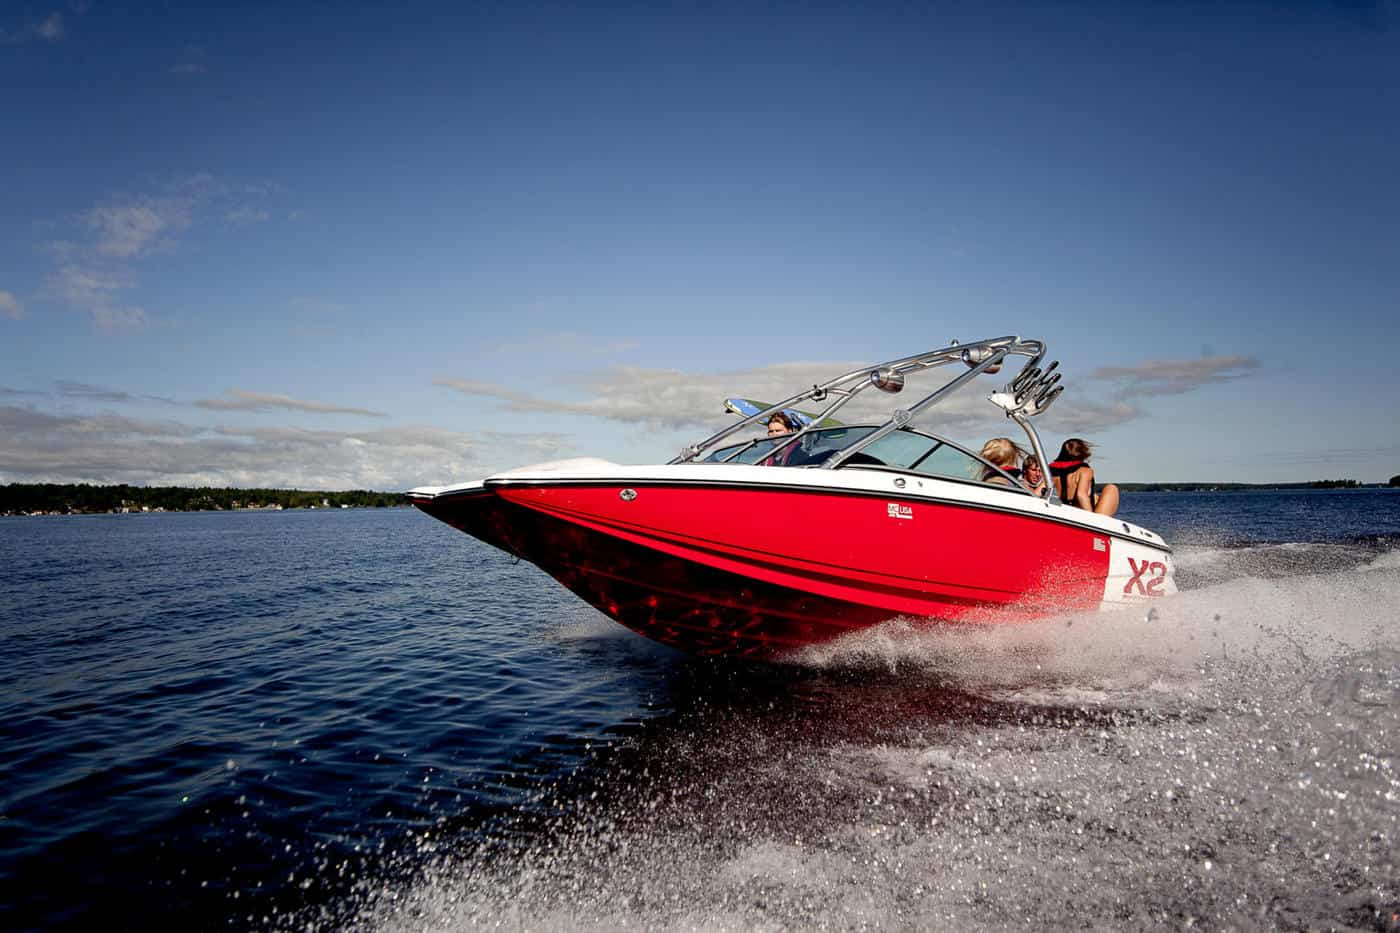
x: 1074, y: 479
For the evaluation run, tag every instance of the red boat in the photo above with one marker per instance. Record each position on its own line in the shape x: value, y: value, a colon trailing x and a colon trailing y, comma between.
x: 722, y: 551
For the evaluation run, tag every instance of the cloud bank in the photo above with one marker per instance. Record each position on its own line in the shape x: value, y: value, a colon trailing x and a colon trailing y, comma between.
x: 110, y: 448
x: 1175, y: 377
x: 136, y: 226
x: 49, y: 29
x: 667, y: 399
x: 11, y: 308
x: 108, y: 242
x: 238, y: 400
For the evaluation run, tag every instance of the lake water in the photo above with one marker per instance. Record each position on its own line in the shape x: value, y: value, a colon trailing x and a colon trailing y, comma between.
x: 366, y: 719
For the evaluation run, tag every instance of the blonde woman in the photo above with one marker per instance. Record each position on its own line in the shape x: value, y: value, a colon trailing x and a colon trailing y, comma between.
x: 1002, y: 452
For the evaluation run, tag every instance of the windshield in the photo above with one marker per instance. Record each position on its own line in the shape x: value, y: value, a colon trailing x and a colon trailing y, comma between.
x: 905, y: 450
x: 812, y: 449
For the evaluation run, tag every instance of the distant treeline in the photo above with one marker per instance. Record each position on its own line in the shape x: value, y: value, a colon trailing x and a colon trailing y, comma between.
x: 1208, y: 487
x: 26, y: 498
x: 18, y: 498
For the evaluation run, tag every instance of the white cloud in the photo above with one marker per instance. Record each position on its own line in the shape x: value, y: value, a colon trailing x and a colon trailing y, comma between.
x: 135, y: 226
x: 11, y: 308
x: 201, y: 186
x: 1175, y: 377
x: 84, y: 287
x: 95, y: 267
x: 95, y: 291
x: 668, y: 399
x: 49, y: 29
x: 71, y: 389
x: 671, y: 399
x: 1071, y: 415
x: 516, y: 401
x: 120, y: 320
x: 240, y: 400
x: 85, y: 390
x: 108, y: 448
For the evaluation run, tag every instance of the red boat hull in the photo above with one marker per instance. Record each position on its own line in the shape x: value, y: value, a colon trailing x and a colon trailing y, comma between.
x: 666, y: 561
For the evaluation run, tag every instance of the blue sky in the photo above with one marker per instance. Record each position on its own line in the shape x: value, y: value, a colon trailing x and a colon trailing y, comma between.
x: 386, y: 245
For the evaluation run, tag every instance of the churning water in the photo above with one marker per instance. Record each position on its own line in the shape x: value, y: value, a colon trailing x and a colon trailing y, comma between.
x: 367, y: 719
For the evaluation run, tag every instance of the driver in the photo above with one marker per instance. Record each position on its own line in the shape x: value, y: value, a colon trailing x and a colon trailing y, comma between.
x: 780, y: 425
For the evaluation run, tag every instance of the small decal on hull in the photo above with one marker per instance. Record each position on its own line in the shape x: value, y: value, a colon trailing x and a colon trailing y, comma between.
x: 896, y: 510
x: 1100, y: 544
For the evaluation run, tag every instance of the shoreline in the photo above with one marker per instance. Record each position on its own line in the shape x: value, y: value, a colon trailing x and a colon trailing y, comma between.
x: 327, y: 506
x: 165, y: 511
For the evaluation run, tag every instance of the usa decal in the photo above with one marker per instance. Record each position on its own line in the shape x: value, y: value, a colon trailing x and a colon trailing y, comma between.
x: 895, y: 510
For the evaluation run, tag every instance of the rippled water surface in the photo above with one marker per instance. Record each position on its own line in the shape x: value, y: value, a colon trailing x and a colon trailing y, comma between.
x: 367, y: 719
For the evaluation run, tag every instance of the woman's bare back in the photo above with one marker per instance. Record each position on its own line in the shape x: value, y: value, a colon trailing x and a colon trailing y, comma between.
x: 1077, y: 487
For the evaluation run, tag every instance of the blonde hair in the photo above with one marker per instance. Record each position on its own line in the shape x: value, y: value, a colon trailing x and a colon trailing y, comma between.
x: 1002, y: 451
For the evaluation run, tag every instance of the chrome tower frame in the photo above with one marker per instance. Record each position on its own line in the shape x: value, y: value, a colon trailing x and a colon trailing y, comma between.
x: 1029, y: 394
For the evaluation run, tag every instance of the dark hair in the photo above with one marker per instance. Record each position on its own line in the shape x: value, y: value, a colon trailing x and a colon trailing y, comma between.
x: 788, y: 421
x: 1075, y: 449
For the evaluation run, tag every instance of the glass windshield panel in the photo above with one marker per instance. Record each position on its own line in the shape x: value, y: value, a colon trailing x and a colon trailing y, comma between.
x: 812, y: 449
x: 756, y: 450
x: 951, y: 462
x: 921, y: 453
x: 904, y: 449
x: 819, y: 445
x: 900, y: 449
